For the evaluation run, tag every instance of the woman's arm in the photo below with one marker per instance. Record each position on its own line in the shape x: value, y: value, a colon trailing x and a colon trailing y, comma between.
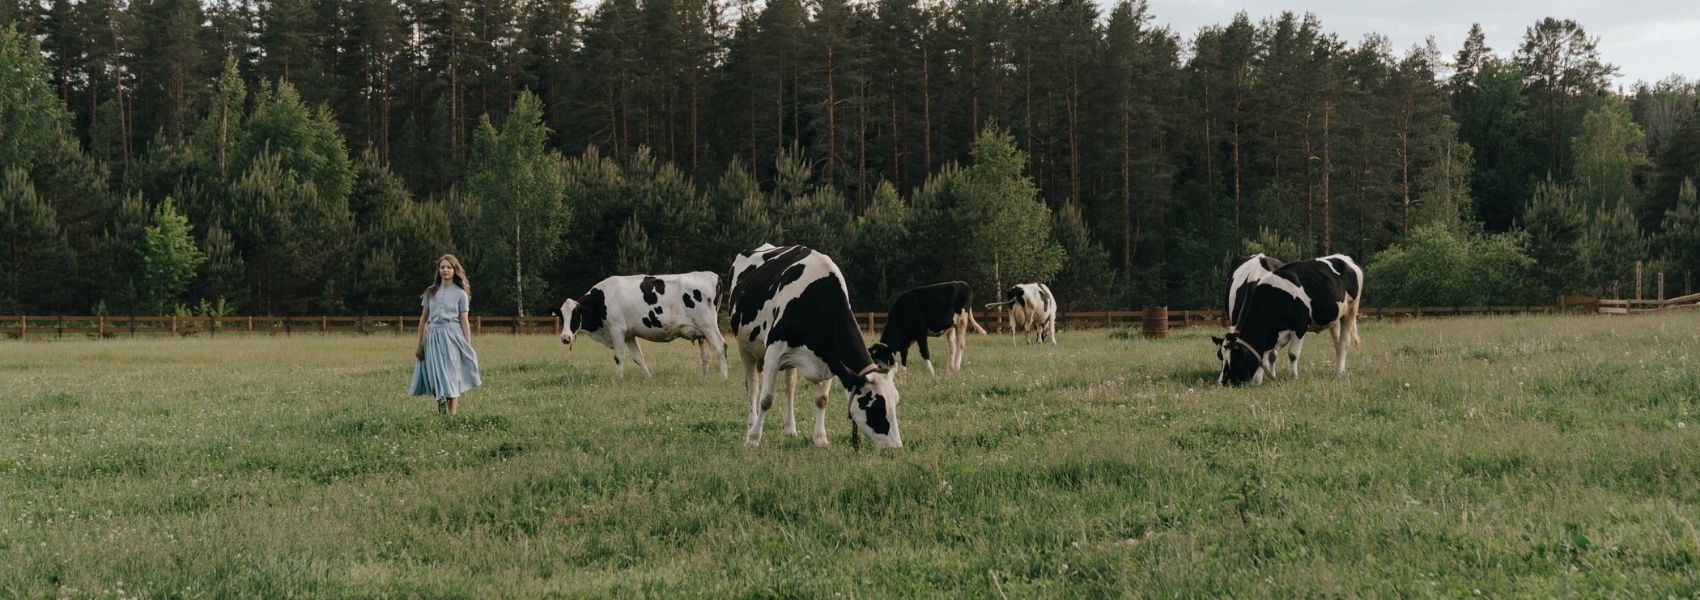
x: 466, y: 327
x: 419, y: 349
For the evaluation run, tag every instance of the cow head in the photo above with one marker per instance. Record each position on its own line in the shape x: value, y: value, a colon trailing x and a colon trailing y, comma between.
x: 873, y: 408
x: 883, y: 355
x: 1240, y: 362
x: 569, y: 321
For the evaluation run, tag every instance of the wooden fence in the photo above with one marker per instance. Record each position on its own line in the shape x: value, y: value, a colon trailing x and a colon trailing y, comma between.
x: 1637, y: 305
x: 871, y: 322
x: 110, y: 326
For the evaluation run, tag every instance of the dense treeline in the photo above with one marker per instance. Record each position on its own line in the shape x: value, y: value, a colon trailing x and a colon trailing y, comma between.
x: 316, y: 156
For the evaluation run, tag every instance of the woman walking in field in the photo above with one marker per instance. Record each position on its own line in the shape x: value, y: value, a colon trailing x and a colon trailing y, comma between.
x: 447, y: 366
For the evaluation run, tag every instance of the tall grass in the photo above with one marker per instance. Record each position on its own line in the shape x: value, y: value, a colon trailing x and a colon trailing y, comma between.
x: 1529, y: 456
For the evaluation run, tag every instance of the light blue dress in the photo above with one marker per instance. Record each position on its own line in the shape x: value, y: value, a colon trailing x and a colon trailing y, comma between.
x: 450, y: 367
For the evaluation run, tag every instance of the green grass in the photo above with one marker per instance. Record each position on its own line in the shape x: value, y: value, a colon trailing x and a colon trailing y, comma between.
x: 1530, y: 456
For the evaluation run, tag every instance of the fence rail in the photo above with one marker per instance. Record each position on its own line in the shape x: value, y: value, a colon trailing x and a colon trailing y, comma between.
x: 24, y: 326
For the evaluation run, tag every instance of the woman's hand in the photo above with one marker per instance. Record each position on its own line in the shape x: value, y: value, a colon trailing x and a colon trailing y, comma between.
x: 419, y: 353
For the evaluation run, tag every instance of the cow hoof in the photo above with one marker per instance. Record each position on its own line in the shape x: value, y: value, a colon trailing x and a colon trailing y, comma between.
x: 752, y: 442
x: 791, y: 432
x: 820, y: 442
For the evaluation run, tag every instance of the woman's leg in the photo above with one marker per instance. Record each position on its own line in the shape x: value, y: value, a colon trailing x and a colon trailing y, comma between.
x: 454, y: 403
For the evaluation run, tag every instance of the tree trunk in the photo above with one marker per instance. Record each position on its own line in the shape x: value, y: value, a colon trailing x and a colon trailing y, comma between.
x: 1127, y: 190
x: 831, y: 113
x: 519, y: 275
x: 926, y: 108
x: 1072, y: 104
x: 1327, y: 169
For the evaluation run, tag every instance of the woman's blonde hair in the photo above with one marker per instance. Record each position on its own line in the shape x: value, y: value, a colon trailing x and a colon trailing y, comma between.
x: 459, y: 276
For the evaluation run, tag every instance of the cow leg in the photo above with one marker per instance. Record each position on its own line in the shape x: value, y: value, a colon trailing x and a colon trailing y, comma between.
x: 820, y: 411
x: 1343, y: 335
x: 791, y: 403
x: 1293, y: 351
x: 1013, y: 333
x: 925, y: 355
x: 619, y: 354
x: 957, y: 337
x: 1051, y: 326
x: 718, y: 344
x: 702, y: 356
x: 763, y: 398
x: 637, y: 355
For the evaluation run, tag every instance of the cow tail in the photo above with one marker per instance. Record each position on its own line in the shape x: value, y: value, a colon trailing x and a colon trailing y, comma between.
x: 969, y: 312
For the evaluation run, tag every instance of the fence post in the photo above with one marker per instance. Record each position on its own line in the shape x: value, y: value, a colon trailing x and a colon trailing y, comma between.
x: 212, y: 326
x: 173, y: 324
x: 1661, y: 286
x: 59, y: 326
x: 24, y: 328
x: 102, y: 326
x: 324, y: 324
x: 250, y: 325
x: 1637, y: 280
x: 478, y: 324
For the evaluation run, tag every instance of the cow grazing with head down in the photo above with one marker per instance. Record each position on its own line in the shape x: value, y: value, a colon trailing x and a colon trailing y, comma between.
x: 1031, y: 308
x: 1246, y: 270
x: 791, y: 310
x: 620, y: 310
x: 1281, y: 307
x: 927, y: 311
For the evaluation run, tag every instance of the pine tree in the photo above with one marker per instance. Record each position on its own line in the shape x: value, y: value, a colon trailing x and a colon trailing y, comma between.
x: 1611, y: 244
x: 986, y: 223
x: 1086, y: 272
x: 1554, y: 224
x: 221, y: 276
x: 635, y: 255
x: 1679, y: 243
x: 170, y: 66
x: 34, y: 255
x: 305, y: 142
x: 880, y: 244
x: 1564, y: 67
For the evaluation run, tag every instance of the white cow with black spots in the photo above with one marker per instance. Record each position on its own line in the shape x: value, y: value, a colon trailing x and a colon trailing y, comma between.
x: 791, y: 310
x: 1281, y: 307
x: 620, y: 310
x: 1031, y: 308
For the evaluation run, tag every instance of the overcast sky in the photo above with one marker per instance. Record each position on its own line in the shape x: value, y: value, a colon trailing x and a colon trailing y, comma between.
x: 1646, y: 39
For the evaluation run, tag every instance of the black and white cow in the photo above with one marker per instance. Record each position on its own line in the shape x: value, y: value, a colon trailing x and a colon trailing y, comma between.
x: 1031, y: 308
x: 623, y: 309
x: 927, y: 311
x: 791, y: 310
x: 1282, y: 307
x: 1247, y: 269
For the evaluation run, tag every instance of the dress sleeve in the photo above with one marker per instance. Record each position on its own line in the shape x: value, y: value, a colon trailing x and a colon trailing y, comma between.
x: 463, y: 302
x: 425, y: 300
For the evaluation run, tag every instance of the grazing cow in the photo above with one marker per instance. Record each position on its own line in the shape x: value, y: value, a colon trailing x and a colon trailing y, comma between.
x: 791, y: 310
x: 622, y: 309
x: 1031, y: 308
x: 1280, y: 308
x: 929, y: 310
x: 1247, y: 270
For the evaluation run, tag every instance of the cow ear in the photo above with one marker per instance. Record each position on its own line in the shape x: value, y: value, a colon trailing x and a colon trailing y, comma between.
x: 1216, y: 340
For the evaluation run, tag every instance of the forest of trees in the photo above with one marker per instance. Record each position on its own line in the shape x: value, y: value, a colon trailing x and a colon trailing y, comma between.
x: 316, y: 156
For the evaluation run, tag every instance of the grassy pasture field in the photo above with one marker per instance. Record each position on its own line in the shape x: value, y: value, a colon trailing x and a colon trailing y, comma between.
x: 1513, y: 456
